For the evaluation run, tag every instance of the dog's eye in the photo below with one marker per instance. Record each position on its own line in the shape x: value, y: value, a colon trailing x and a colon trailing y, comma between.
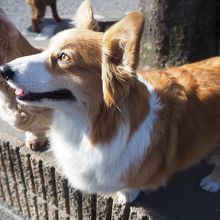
x: 64, y: 57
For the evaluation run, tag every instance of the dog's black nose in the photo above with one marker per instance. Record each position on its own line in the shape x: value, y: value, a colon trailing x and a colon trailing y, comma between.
x: 6, y: 71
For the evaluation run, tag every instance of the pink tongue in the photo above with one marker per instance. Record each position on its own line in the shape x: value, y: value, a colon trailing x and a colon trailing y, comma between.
x: 19, y: 92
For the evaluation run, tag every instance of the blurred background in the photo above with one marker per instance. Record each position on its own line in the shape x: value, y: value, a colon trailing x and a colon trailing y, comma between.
x: 19, y: 13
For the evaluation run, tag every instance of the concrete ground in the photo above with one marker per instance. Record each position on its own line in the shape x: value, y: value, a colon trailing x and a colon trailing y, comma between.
x: 7, y: 214
x: 182, y: 199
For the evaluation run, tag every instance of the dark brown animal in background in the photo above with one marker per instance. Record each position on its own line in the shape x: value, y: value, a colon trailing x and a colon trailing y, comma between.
x: 35, y: 121
x: 38, y: 11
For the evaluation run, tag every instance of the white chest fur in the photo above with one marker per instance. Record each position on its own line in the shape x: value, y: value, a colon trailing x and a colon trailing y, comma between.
x: 99, y: 169
x: 6, y: 114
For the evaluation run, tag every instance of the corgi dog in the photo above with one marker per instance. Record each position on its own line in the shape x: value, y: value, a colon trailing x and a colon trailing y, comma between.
x: 35, y: 121
x: 117, y: 128
x: 38, y: 11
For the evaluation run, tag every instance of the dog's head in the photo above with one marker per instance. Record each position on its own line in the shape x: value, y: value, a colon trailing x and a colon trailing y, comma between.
x: 81, y: 66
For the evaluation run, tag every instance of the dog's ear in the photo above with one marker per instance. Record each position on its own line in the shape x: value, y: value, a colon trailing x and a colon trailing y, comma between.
x: 84, y: 18
x: 120, y: 57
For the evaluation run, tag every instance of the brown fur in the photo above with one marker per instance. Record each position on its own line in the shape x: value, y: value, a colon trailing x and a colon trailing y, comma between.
x: 34, y: 120
x: 188, y: 124
x: 38, y: 11
x: 118, y: 69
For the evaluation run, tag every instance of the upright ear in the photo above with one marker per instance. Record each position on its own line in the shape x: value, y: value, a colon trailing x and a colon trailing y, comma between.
x: 84, y: 18
x: 121, y: 45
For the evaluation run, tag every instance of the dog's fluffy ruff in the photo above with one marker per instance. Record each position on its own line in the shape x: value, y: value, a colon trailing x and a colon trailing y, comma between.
x: 86, y: 164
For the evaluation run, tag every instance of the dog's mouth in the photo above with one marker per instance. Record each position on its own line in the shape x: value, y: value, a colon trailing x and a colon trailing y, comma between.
x: 58, y: 95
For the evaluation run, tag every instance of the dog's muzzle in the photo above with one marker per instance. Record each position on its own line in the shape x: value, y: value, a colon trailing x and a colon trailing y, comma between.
x: 6, y: 71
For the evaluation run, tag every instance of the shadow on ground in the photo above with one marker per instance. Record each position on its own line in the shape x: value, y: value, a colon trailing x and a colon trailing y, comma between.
x: 60, y: 26
x: 183, y: 199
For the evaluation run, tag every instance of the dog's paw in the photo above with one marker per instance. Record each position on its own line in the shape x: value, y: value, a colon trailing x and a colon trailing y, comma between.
x: 58, y: 19
x: 34, y: 142
x: 126, y: 196
x: 36, y: 27
x: 208, y: 184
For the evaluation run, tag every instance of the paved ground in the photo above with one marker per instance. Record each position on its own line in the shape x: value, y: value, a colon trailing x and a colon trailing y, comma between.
x: 182, y: 199
x: 7, y: 214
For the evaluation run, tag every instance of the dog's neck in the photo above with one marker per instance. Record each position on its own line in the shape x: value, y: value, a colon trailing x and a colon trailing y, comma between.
x: 105, y: 126
x: 107, y: 122
x: 75, y: 151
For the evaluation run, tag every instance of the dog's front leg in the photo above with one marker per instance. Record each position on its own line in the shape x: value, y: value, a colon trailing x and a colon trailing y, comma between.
x: 211, y: 183
x: 127, y: 196
x: 35, y: 139
x: 55, y: 13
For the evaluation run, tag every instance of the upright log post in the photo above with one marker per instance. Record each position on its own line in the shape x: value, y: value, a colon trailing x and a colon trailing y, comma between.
x: 178, y: 31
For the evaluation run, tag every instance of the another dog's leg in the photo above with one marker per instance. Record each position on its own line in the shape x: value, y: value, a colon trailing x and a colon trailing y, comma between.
x: 54, y: 12
x: 38, y: 15
x: 35, y: 24
x: 127, y: 196
x: 211, y: 183
x: 35, y: 140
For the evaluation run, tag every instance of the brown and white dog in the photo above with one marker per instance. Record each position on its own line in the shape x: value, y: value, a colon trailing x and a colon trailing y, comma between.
x: 35, y: 121
x: 116, y: 128
x: 38, y: 11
